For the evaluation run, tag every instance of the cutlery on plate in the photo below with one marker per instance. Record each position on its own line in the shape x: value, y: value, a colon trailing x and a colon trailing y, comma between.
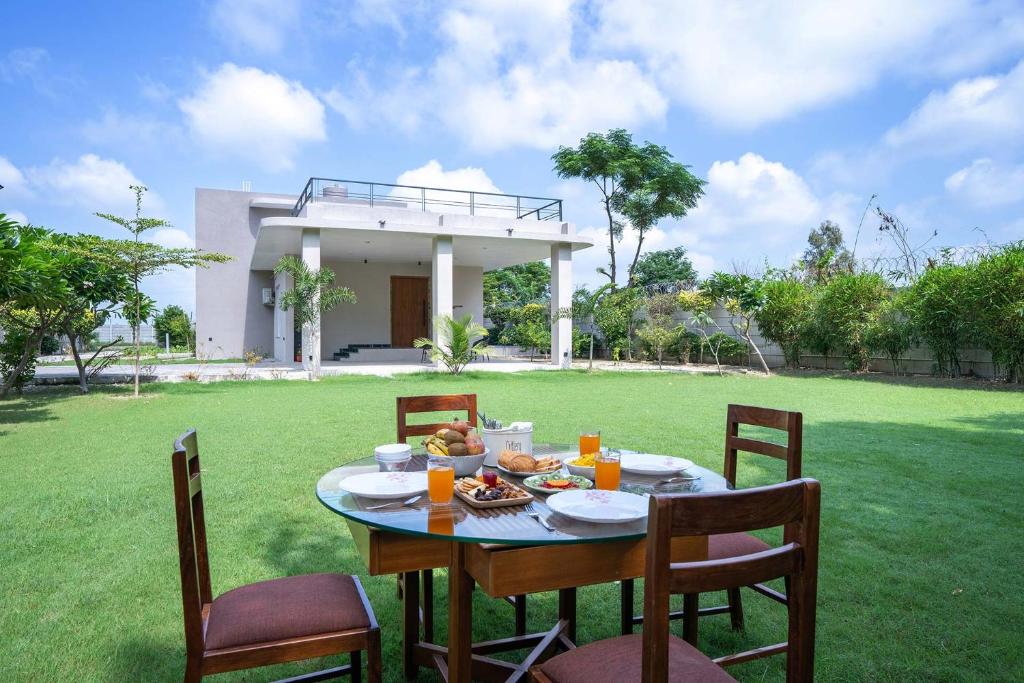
x: 531, y: 512
x: 402, y: 504
x: 677, y: 480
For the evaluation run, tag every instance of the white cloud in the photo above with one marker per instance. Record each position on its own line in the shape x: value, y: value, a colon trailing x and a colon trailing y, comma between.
x: 745, y: 64
x: 172, y: 238
x: 12, y: 178
x: 91, y: 182
x: 432, y: 174
x: 262, y: 26
x: 117, y: 128
x: 254, y: 115
x: 508, y: 75
x: 973, y: 112
x: 17, y: 217
x: 986, y: 184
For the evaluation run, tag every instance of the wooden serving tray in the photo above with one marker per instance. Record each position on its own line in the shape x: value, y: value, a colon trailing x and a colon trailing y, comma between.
x: 507, y: 502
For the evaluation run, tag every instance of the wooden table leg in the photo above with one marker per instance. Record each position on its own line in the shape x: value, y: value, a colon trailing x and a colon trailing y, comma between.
x: 460, y: 618
x: 410, y: 622
x: 626, y: 607
x: 428, y: 605
x: 567, y: 610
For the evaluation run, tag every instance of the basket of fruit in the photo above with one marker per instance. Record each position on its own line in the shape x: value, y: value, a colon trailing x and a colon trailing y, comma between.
x: 461, y: 443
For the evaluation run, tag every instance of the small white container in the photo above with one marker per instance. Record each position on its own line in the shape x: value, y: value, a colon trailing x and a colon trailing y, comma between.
x: 518, y: 436
x: 392, y: 457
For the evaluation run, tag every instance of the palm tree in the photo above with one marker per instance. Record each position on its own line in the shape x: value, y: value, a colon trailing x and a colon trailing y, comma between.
x: 311, y: 295
x: 457, y: 341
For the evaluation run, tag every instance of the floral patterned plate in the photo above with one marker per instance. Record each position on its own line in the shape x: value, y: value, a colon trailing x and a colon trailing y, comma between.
x: 571, y: 482
x: 385, y: 485
x: 602, y: 507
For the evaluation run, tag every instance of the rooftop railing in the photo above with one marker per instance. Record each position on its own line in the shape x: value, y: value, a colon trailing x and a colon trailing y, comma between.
x: 438, y: 200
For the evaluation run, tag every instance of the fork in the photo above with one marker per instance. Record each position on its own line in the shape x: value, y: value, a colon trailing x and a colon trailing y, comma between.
x: 403, y: 504
x: 532, y: 512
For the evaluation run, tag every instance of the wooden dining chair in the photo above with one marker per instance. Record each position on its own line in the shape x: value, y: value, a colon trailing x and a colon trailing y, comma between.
x: 732, y: 545
x: 656, y: 656
x: 407, y: 405
x: 270, y: 622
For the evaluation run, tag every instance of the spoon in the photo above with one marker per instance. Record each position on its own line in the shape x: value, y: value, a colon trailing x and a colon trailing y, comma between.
x: 677, y: 480
x: 402, y: 504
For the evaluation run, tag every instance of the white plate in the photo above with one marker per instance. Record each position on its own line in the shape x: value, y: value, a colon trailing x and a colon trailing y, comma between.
x: 647, y: 463
x: 602, y: 507
x: 385, y: 484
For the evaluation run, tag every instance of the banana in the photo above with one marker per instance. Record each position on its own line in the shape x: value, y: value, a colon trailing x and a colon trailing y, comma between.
x: 435, y: 445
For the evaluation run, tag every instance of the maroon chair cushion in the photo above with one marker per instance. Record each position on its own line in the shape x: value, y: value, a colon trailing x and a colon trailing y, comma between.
x: 289, y: 607
x: 721, y: 546
x: 618, y: 659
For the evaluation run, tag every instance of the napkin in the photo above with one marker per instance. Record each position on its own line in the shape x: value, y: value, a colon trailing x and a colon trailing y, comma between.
x: 521, y: 426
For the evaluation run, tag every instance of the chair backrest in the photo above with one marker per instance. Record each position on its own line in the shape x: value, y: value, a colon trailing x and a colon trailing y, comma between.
x: 193, y: 558
x: 791, y: 423
x: 429, y: 404
x: 793, y: 504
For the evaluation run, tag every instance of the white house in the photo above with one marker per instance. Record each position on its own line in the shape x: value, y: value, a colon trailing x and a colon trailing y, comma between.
x: 408, y: 253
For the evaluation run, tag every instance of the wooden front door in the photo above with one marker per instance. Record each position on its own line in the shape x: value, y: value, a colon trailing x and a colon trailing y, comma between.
x: 410, y: 307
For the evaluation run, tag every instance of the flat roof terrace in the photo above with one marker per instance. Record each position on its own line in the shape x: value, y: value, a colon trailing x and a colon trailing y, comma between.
x: 427, y: 199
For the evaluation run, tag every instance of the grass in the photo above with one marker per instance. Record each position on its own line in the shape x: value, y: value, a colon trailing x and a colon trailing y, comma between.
x: 921, y: 531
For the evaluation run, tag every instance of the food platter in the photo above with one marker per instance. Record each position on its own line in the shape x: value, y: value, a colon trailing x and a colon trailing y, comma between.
x: 465, y: 493
x: 524, y: 465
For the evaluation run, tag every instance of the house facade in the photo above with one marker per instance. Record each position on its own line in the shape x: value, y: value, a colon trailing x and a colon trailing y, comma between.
x: 409, y: 254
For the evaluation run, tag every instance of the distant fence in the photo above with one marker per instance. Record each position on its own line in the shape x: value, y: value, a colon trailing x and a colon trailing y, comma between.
x: 919, y: 360
x: 111, y: 331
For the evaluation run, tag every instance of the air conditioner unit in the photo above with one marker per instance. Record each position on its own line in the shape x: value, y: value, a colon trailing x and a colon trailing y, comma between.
x: 268, y: 296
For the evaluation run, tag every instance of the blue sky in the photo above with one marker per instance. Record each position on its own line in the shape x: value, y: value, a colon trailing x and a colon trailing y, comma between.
x: 794, y: 114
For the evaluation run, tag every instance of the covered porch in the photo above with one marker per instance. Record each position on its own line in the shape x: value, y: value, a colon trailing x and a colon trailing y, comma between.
x: 405, y: 270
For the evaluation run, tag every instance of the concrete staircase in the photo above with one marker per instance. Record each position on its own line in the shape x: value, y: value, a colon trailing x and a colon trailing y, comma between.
x: 377, y: 353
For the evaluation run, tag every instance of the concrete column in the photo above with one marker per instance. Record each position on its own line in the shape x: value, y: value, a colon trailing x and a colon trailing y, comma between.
x: 561, y: 305
x: 311, y: 333
x: 441, y: 280
x: 284, y: 321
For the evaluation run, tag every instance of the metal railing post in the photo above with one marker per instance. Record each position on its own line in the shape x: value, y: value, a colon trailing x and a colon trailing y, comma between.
x: 423, y: 198
x: 371, y: 194
x: 472, y: 203
x: 519, y: 209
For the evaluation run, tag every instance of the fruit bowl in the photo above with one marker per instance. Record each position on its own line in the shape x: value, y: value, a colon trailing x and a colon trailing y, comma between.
x: 467, y: 465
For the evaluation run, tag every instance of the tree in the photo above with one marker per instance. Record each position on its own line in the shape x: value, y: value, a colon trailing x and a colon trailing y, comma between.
x: 637, y: 183
x: 174, y: 322
x: 313, y: 294
x: 826, y: 255
x: 998, y: 285
x: 892, y: 331
x: 515, y: 286
x: 140, y: 259
x: 742, y: 296
x: 849, y: 306
x: 584, y: 309
x: 659, y: 331
x: 785, y: 316
x: 615, y: 316
x: 458, y: 339
x: 666, y: 266
x: 530, y: 328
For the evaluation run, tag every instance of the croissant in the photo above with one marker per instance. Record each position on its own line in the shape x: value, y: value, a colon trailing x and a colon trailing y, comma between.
x: 522, y: 463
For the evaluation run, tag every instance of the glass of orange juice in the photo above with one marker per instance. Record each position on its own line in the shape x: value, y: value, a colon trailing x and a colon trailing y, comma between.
x: 590, y: 441
x: 440, y: 479
x: 607, y: 470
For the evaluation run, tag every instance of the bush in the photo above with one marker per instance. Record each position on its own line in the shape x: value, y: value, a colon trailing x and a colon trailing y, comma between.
x: 893, y: 332
x: 175, y: 322
x: 50, y: 345
x: 684, y: 344
x: 730, y: 350
x: 614, y: 317
x: 941, y: 304
x: 998, y: 308
x: 785, y: 316
x: 845, y: 311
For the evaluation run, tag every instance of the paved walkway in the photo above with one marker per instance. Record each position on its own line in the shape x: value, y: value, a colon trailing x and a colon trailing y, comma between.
x: 213, y: 371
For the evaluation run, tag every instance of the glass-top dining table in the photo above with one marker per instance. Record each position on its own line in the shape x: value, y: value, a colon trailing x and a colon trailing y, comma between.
x: 506, y: 550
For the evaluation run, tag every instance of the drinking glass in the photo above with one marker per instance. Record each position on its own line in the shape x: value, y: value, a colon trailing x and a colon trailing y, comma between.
x: 440, y: 479
x: 590, y: 441
x: 607, y: 470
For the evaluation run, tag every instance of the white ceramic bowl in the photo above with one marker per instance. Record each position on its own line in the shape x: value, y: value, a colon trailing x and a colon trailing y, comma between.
x: 467, y: 465
x: 588, y: 472
x: 392, y: 457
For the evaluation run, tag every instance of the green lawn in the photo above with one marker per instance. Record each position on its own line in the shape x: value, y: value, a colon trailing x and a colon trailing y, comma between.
x: 921, y: 548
